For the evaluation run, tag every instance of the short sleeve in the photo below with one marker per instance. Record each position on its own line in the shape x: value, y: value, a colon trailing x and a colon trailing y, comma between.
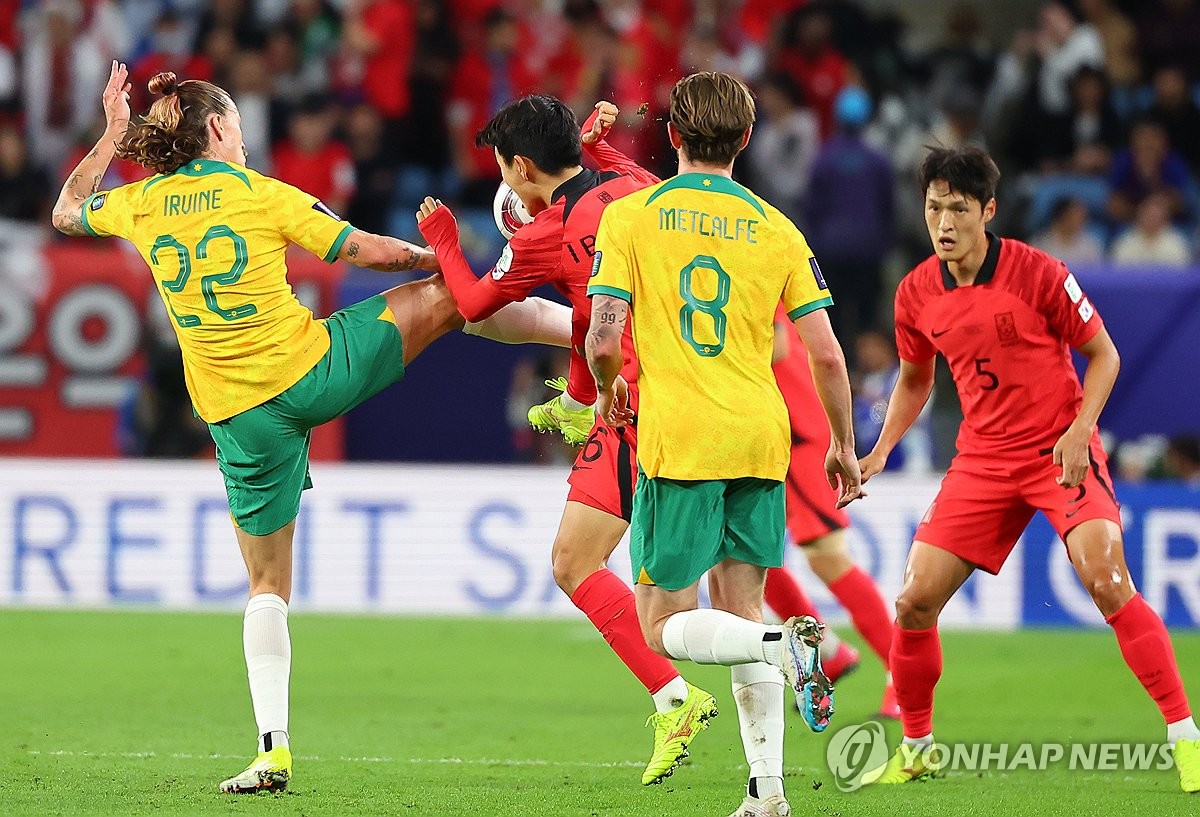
x: 805, y: 290
x: 612, y: 268
x: 110, y: 212
x: 911, y: 344
x: 1065, y: 306
x: 527, y: 262
x: 305, y: 221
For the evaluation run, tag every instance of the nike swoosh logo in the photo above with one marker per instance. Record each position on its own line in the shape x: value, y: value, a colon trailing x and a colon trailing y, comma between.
x: 575, y: 467
x: 939, y: 334
x: 1069, y: 514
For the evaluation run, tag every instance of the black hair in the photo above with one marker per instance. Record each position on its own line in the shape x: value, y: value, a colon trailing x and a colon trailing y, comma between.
x: 968, y: 170
x: 538, y: 127
x: 1061, y: 205
x: 787, y: 86
x: 1186, y: 446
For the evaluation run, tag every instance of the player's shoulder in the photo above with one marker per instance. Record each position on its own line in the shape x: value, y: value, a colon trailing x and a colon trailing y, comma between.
x: 545, y: 231
x: 1024, y: 259
x: 921, y: 281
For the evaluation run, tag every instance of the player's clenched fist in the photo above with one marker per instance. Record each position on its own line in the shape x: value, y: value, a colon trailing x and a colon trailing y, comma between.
x: 606, y: 117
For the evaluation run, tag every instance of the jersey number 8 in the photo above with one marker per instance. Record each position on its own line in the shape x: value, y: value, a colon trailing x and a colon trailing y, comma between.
x: 711, y: 307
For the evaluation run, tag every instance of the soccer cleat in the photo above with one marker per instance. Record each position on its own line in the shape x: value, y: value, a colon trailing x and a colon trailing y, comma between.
x: 801, y: 667
x: 674, y: 730
x: 1187, y: 762
x: 908, y: 763
x: 270, y: 771
x: 774, y: 806
x: 575, y: 424
x: 890, y: 706
x: 841, y: 663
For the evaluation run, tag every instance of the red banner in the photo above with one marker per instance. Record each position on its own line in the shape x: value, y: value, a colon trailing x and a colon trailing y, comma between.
x: 73, y: 353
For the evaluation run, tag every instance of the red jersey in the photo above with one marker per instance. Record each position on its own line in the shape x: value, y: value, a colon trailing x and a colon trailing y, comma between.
x: 1008, y: 340
x: 556, y: 248
x: 327, y: 173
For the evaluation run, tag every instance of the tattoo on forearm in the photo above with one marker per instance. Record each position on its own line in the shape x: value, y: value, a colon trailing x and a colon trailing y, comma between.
x: 404, y: 263
x: 352, y: 251
x: 96, y: 183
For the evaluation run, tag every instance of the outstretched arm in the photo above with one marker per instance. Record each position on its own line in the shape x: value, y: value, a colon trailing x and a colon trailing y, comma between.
x: 605, y: 155
x: 67, y: 217
x: 909, y: 396
x: 474, y: 296
x: 386, y: 254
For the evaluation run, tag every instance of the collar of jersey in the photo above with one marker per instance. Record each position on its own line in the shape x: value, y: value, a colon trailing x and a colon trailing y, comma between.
x: 202, y: 167
x: 986, y: 272
x: 707, y: 183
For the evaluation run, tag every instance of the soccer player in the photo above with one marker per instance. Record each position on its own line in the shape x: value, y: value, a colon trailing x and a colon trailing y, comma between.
x: 1006, y: 316
x: 539, y: 147
x: 703, y: 263
x: 817, y: 526
x: 260, y: 369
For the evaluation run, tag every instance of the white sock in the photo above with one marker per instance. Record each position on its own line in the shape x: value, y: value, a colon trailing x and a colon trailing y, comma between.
x: 670, y: 696
x: 571, y: 404
x: 921, y: 742
x: 534, y: 320
x: 718, y: 637
x: 1182, y: 730
x: 268, y: 651
x: 758, y: 693
x: 830, y: 644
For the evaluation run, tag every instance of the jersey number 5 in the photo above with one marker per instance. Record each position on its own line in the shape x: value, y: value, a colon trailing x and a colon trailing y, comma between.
x: 231, y: 276
x: 712, y: 307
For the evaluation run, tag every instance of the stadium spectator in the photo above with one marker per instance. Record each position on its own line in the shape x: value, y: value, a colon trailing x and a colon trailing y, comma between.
x: 250, y: 85
x: 1083, y: 139
x: 1182, y: 459
x: 9, y: 44
x: 312, y: 159
x: 1152, y: 240
x: 1149, y: 165
x: 485, y: 79
x: 425, y: 140
x: 234, y: 16
x: 319, y: 31
x: 24, y: 187
x: 374, y: 169
x: 1068, y: 238
x: 378, y: 40
x: 848, y: 216
x: 786, y: 140
x: 169, y: 47
x: 1119, y: 37
x: 963, y: 59
x: 1175, y: 108
x: 808, y: 55
x: 1170, y: 35
x: 1065, y: 45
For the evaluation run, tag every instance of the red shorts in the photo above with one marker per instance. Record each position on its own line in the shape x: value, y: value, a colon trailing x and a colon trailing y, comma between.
x: 985, y: 503
x: 812, y: 508
x: 605, y: 472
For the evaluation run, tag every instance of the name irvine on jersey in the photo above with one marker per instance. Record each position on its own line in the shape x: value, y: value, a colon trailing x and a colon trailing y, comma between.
x: 683, y: 220
x: 188, y: 203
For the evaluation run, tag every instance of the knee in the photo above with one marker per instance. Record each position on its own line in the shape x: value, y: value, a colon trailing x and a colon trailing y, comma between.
x: 570, y: 566
x: 916, y: 610
x: 829, y: 566
x: 1109, y: 587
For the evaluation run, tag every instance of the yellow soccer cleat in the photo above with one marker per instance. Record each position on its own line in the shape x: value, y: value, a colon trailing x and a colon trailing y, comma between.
x: 270, y: 771
x: 908, y: 763
x: 575, y: 424
x: 1187, y: 761
x: 674, y: 730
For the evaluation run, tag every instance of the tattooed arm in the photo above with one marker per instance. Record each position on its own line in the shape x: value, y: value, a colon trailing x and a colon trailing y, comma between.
x: 85, y: 179
x: 386, y: 254
x: 605, y: 358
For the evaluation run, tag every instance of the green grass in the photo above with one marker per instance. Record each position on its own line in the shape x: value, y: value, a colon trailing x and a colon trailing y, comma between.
x: 143, y: 714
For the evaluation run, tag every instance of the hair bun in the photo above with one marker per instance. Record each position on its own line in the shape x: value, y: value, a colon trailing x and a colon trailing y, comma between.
x: 165, y: 83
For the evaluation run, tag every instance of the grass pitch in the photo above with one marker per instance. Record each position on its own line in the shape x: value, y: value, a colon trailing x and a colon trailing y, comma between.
x: 143, y: 714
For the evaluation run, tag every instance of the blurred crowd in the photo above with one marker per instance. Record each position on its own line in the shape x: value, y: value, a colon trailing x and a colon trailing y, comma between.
x: 1089, y: 106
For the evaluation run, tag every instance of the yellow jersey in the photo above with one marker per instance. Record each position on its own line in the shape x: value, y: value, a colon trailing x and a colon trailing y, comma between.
x: 214, y: 235
x: 704, y: 264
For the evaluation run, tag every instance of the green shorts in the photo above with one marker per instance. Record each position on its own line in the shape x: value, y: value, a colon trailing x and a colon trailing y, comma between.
x: 681, y: 528
x: 263, y: 452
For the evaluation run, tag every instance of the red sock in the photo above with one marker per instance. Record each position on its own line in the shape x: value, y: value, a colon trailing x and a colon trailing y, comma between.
x: 581, y: 385
x: 860, y: 596
x: 609, y: 604
x: 786, y: 597
x: 916, y: 664
x: 1147, y: 649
